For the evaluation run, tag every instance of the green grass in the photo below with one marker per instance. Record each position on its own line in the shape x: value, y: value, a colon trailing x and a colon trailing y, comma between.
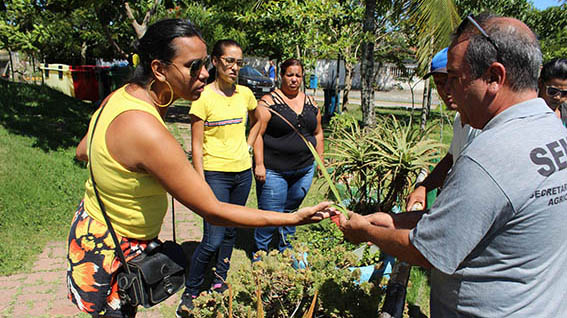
x: 40, y: 182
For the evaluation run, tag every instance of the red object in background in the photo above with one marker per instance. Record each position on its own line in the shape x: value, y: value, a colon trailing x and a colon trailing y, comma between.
x: 86, y: 81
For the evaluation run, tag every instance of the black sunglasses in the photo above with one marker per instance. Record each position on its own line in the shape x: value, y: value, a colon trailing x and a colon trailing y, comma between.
x: 470, y: 18
x: 553, y: 91
x: 197, y: 65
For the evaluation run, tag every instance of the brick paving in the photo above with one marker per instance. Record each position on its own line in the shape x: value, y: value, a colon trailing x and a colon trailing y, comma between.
x: 43, y: 292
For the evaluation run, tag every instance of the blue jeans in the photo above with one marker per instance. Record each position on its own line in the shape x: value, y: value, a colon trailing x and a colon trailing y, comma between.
x: 283, y: 191
x: 232, y: 187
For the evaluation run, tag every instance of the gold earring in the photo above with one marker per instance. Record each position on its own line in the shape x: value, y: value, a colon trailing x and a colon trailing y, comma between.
x: 170, y: 92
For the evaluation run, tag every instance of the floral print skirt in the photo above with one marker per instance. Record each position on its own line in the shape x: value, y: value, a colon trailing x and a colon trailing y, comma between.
x: 92, y: 266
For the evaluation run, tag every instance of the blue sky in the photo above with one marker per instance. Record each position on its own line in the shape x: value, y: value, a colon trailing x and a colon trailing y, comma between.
x: 542, y: 4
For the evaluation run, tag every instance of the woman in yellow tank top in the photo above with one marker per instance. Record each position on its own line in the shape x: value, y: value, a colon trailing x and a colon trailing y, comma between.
x: 136, y: 161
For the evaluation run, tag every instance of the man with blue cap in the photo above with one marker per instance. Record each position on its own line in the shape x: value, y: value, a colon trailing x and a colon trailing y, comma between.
x: 463, y: 134
x: 495, y: 238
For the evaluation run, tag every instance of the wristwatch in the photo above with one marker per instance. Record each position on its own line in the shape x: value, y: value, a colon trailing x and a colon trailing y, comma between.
x: 250, y: 149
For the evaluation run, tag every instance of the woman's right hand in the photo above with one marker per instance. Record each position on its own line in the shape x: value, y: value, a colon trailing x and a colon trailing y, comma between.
x: 260, y: 173
x: 314, y: 214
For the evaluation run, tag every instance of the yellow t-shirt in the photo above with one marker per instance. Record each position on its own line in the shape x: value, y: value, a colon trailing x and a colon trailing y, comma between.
x: 135, y: 202
x: 224, y: 138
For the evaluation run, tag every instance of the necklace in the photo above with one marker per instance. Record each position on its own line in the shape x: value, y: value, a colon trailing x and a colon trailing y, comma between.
x: 222, y: 92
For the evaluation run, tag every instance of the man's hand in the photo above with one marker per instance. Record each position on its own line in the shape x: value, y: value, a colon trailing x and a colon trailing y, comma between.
x: 419, y: 195
x: 381, y: 219
x: 354, y: 229
x: 260, y: 173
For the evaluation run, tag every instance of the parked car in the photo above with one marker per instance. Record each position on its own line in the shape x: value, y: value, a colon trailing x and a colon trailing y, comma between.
x: 253, y: 79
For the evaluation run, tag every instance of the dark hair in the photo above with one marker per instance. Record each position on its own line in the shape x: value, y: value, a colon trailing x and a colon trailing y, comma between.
x: 289, y: 62
x: 156, y: 44
x: 514, y: 48
x: 220, y: 45
x: 556, y: 68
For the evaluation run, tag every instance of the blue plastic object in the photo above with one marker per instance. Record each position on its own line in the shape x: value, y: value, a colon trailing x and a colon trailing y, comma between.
x: 301, y: 264
x: 313, y: 81
x: 370, y: 273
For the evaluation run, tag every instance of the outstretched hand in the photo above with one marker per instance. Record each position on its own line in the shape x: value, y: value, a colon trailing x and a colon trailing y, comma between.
x: 316, y: 213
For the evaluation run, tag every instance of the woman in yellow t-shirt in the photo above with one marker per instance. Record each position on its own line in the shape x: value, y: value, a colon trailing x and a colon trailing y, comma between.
x: 221, y: 154
x: 136, y: 160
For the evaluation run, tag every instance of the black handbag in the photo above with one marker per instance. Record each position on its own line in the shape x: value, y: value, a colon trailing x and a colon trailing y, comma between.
x: 152, y: 276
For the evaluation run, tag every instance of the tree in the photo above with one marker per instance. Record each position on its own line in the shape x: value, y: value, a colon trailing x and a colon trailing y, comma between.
x: 552, y: 36
x: 367, y: 66
x: 281, y: 29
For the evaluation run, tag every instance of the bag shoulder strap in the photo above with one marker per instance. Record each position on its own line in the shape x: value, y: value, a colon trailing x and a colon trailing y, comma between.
x: 278, y: 98
x: 118, y: 250
x: 101, y: 205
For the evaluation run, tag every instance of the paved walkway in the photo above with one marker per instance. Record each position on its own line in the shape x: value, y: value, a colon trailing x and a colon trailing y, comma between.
x: 43, y: 292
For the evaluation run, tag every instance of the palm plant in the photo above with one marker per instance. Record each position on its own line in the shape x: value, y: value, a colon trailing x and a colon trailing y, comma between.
x: 377, y: 165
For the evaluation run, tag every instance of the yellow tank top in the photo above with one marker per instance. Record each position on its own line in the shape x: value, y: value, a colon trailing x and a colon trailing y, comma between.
x: 135, y: 202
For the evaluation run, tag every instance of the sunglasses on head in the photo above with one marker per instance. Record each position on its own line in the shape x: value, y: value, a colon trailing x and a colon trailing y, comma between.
x: 553, y: 91
x: 470, y: 19
x: 230, y: 61
x: 196, y: 66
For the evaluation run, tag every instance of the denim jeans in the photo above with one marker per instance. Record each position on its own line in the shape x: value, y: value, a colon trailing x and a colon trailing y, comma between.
x: 283, y: 191
x: 232, y: 187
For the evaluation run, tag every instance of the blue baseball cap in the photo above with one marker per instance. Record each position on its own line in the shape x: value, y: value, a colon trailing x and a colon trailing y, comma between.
x: 438, y: 63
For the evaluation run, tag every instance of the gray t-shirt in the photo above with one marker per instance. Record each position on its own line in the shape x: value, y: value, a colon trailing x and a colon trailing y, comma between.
x: 497, y: 234
x: 462, y: 136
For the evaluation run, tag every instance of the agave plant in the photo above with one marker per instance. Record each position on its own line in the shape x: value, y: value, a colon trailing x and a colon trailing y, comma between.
x: 376, y: 166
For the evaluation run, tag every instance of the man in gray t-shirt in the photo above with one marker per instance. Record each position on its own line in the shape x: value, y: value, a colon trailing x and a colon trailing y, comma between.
x: 496, y: 237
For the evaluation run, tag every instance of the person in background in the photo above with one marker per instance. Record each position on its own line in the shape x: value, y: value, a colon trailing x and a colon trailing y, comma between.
x: 136, y: 161
x: 221, y: 155
x: 463, y: 134
x: 272, y: 71
x: 284, y: 165
x: 495, y: 238
x: 552, y: 86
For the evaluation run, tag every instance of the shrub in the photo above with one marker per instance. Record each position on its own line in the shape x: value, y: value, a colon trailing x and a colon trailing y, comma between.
x: 285, y: 291
x: 376, y: 166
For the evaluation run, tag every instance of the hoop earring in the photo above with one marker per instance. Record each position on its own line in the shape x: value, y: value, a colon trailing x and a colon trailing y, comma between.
x: 170, y: 94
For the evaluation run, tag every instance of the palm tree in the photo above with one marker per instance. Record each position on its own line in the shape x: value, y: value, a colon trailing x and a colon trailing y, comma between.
x: 434, y: 21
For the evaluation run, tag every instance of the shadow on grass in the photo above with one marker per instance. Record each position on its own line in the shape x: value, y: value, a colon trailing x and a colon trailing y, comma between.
x: 178, y: 114
x: 54, y: 119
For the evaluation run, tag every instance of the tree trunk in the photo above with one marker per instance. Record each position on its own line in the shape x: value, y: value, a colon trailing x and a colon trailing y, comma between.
x: 141, y: 28
x: 11, y: 65
x: 33, y: 68
x: 367, y: 67
x: 348, y: 84
x: 84, y: 47
x: 338, y: 84
x: 426, y: 104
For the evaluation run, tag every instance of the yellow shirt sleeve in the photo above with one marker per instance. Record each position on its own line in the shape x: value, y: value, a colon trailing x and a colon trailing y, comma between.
x: 252, y: 102
x: 199, y: 107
